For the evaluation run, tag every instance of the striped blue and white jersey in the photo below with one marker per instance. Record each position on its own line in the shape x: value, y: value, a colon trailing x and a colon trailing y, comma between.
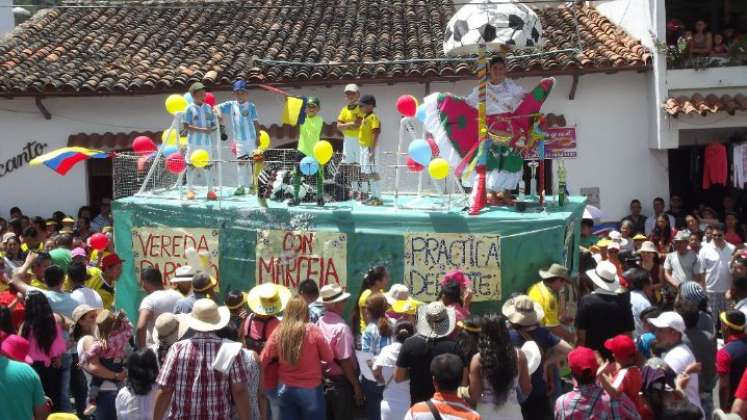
x: 201, y: 116
x: 242, y: 116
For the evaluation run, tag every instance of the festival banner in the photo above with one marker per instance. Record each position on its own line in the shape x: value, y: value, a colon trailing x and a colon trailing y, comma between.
x: 163, y: 248
x: 428, y: 256
x: 289, y: 257
x: 560, y: 143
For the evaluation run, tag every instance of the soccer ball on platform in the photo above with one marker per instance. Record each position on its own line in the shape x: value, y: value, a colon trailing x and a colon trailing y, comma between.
x: 507, y: 25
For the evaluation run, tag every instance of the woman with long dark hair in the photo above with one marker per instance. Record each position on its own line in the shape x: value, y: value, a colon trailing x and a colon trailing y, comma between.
x: 43, y: 329
x: 662, y: 234
x: 136, y: 400
x: 496, y: 371
x: 374, y: 281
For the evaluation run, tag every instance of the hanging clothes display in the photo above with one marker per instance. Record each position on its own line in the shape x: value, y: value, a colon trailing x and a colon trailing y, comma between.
x: 715, y: 165
x: 739, y: 172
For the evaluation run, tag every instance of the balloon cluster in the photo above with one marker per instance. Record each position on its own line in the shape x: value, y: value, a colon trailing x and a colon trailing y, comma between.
x: 421, y: 153
x: 322, y: 154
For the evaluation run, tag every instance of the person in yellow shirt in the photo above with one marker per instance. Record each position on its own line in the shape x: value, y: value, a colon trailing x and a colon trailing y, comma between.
x: 545, y: 293
x: 368, y: 139
x: 309, y: 134
x: 348, y: 122
x: 104, y: 280
x: 32, y: 270
x: 31, y: 240
x: 375, y: 281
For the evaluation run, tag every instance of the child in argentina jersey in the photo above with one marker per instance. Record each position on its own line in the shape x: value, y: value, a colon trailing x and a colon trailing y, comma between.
x: 200, y: 123
x: 244, y: 128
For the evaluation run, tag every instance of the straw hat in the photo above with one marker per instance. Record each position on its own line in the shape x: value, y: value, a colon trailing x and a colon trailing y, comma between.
x: 332, y: 293
x: 521, y: 310
x: 206, y: 316
x: 81, y: 310
x: 604, y: 276
x: 435, y: 320
x: 268, y: 299
x: 648, y: 246
x: 400, y: 301
x: 169, y: 328
x: 555, y: 271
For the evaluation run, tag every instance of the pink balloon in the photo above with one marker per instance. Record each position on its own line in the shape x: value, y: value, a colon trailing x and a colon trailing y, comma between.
x: 210, y: 99
x: 98, y: 241
x: 175, y: 163
x: 414, y: 166
x: 143, y: 145
x: 407, y: 105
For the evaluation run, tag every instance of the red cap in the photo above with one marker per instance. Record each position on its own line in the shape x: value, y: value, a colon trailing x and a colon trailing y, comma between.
x: 582, y: 359
x: 621, y: 346
x: 16, y: 348
x: 110, y: 261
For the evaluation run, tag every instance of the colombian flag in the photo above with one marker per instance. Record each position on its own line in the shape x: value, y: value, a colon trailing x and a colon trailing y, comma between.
x: 63, y: 159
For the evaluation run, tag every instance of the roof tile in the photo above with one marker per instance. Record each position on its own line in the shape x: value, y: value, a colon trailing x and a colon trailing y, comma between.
x: 704, y: 105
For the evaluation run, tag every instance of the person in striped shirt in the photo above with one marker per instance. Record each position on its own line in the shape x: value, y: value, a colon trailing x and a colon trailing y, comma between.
x: 244, y: 128
x: 199, y: 122
x: 447, y: 370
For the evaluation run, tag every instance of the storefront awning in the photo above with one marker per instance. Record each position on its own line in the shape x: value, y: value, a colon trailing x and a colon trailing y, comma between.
x: 705, y: 104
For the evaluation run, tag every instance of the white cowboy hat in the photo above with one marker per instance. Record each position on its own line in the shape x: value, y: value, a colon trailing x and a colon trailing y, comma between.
x: 555, y: 271
x: 605, y: 276
x: 183, y: 274
x: 207, y: 316
x: 648, y: 246
x: 521, y: 310
x: 532, y: 353
x: 400, y: 301
x: 332, y: 293
x: 268, y: 298
x: 435, y: 320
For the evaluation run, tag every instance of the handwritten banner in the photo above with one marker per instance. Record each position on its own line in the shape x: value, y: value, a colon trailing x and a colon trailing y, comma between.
x: 163, y: 248
x: 428, y: 256
x: 289, y: 257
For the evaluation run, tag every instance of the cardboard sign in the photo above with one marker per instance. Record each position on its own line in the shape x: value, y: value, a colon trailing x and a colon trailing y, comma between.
x: 428, y: 256
x: 163, y: 248
x: 289, y: 257
x: 560, y: 143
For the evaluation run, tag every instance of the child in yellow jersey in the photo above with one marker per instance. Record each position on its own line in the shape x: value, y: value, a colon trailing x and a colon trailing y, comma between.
x: 348, y: 123
x: 368, y: 138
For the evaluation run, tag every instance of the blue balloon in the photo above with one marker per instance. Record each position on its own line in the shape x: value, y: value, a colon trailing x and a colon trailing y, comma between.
x: 168, y: 149
x: 309, y: 165
x: 420, y: 113
x: 420, y: 152
x: 188, y: 97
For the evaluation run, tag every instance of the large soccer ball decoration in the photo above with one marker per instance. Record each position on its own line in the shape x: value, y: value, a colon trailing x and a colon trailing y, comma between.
x: 506, y: 25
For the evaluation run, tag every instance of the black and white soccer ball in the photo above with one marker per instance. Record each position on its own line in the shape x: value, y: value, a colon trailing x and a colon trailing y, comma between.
x: 510, y: 25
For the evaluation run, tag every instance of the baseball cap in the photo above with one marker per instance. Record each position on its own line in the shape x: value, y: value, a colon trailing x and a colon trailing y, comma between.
x: 196, y: 86
x: 79, y: 252
x: 313, y: 100
x: 621, y: 346
x: 110, y: 261
x: 582, y: 359
x: 669, y: 319
x: 351, y: 87
x: 367, y: 100
x: 239, y: 85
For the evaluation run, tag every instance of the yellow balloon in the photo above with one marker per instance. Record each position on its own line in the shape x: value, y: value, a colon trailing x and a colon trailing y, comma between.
x: 169, y: 137
x: 323, y: 152
x: 438, y: 168
x: 264, y: 140
x: 175, y: 103
x: 199, y: 158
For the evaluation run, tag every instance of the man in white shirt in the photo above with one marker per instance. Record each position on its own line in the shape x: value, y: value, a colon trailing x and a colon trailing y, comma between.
x: 670, y: 328
x: 640, y: 288
x: 683, y: 264
x: 157, y: 302
x: 715, y: 261
x: 658, y: 210
x: 78, y: 274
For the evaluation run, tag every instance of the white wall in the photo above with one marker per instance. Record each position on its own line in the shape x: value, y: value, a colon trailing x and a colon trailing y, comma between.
x: 6, y: 16
x: 609, y: 113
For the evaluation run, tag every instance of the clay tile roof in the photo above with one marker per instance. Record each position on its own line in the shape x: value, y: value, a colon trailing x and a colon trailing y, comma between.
x: 148, y: 47
x: 704, y: 105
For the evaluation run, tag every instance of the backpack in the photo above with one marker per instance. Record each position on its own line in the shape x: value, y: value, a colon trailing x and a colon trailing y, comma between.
x: 255, y: 343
